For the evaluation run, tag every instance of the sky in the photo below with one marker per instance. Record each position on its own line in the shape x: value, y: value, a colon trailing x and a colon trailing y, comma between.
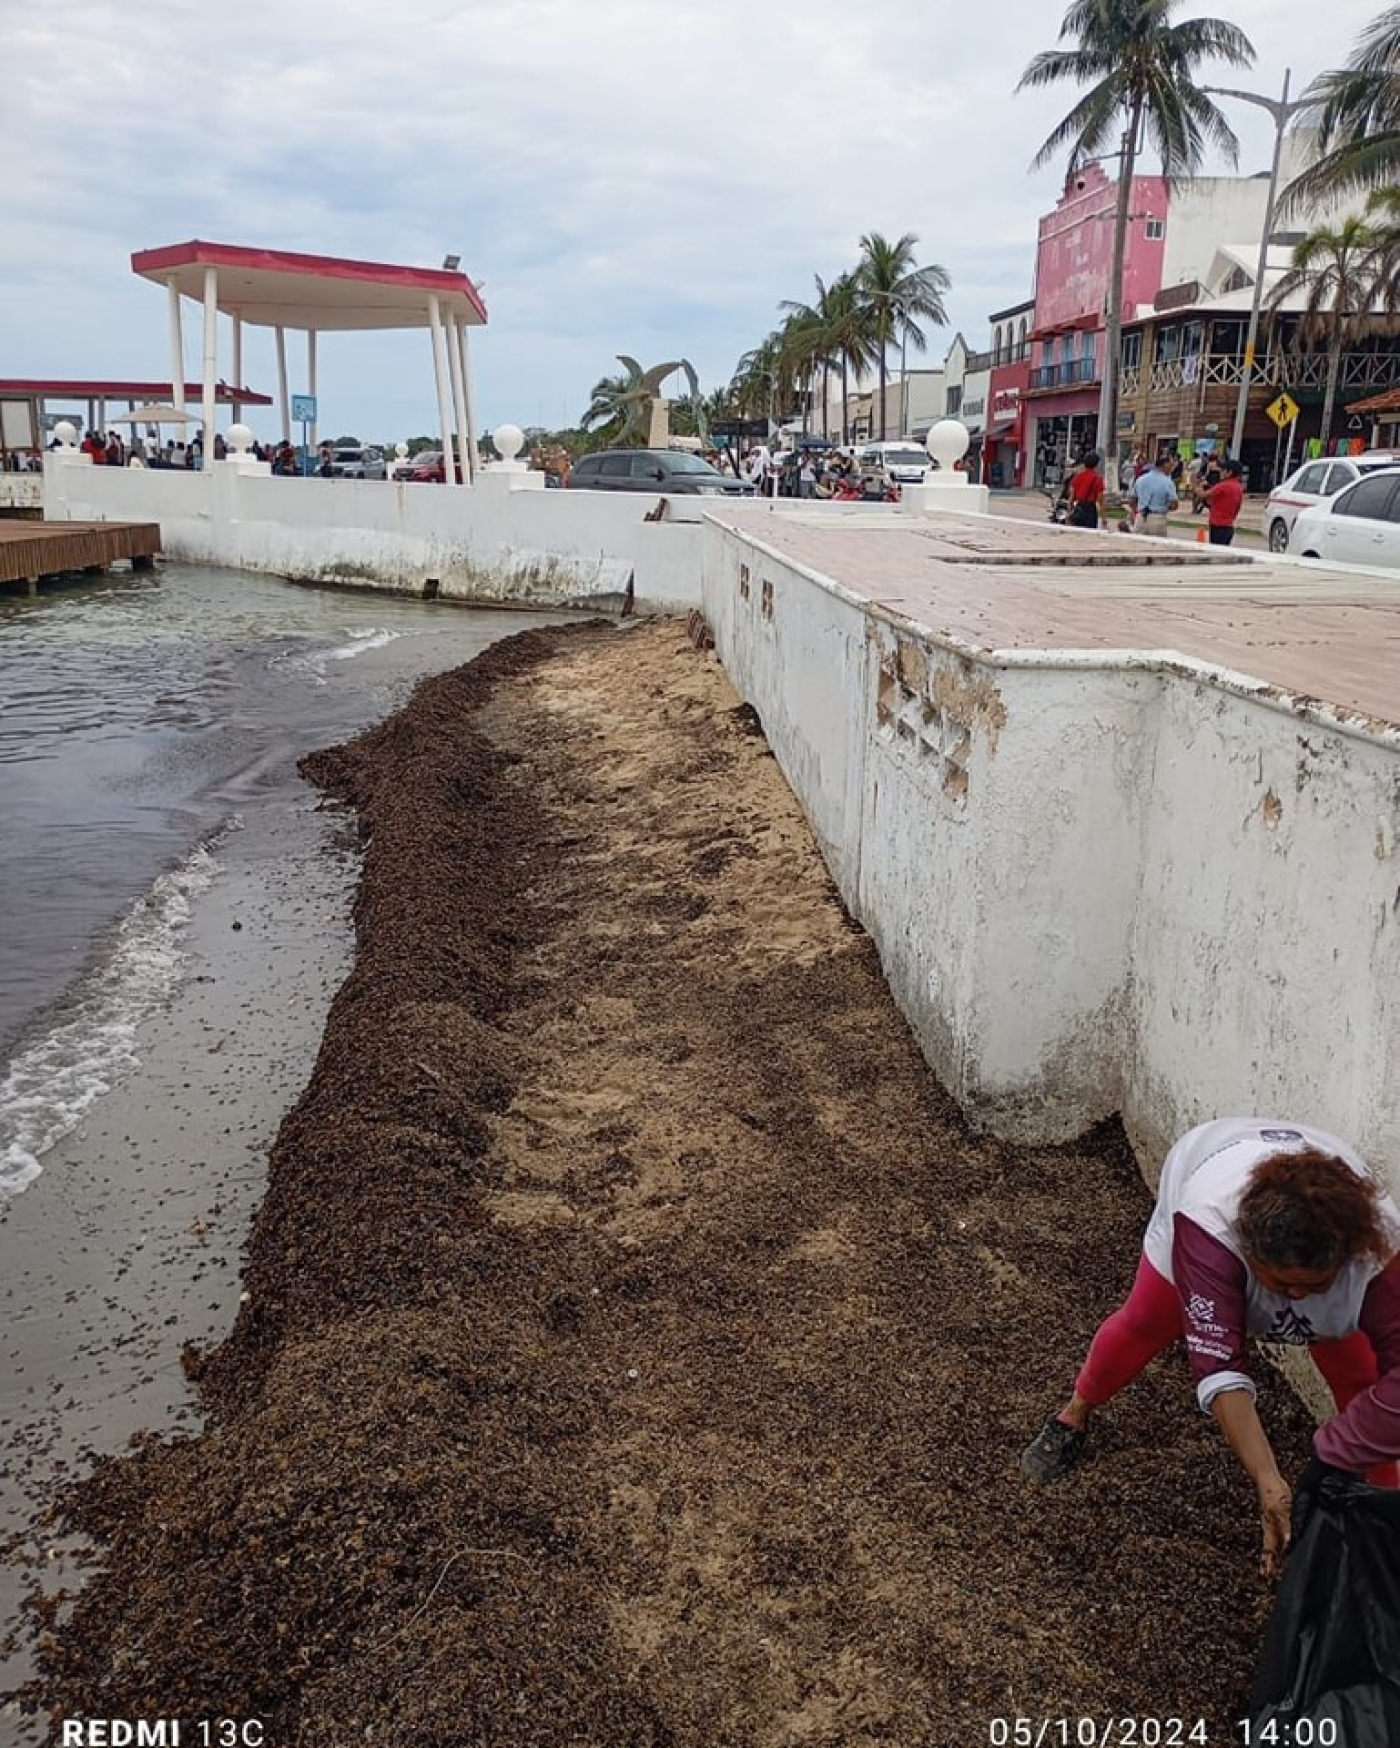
x: 650, y: 177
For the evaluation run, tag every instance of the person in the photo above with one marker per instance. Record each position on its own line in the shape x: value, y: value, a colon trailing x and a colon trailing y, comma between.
x: 1222, y: 501
x: 1279, y: 1230
x: 1085, y: 491
x: 1155, y: 496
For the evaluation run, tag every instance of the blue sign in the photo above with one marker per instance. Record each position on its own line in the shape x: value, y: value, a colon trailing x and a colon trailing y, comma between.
x: 303, y: 409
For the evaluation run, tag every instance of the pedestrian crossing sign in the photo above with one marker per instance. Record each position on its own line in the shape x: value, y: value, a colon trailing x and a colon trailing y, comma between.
x: 1282, y: 411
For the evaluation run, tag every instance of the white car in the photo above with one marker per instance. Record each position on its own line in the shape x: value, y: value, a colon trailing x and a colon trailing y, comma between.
x: 1359, y: 526
x: 1312, y: 483
x: 892, y: 464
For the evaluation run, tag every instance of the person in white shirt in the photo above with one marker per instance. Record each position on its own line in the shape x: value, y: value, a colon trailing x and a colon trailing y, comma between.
x: 1274, y: 1229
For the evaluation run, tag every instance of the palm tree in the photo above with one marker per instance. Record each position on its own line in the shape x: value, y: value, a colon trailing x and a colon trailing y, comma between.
x: 1140, y: 69
x: 762, y: 381
x: 850, y: 337
x: 1337, y: 268
x: 1357, y: 116
x: 833, y: 333
x: 893, y: 292
x: 608, y: 400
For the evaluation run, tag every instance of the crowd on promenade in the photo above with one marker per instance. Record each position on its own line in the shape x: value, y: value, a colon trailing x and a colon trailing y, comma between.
x: 1152, y: 490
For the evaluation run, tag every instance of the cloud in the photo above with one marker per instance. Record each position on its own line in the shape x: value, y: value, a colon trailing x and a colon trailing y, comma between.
x: 623, y: 177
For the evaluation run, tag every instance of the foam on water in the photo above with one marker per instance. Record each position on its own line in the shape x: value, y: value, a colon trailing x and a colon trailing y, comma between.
x: 53, y: 1083
x: 313, y: 662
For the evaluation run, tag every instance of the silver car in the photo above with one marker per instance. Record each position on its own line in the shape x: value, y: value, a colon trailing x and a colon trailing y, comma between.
x: 358, y: 462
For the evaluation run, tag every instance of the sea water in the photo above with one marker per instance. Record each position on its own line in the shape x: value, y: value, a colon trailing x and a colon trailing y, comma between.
x: 140, y: 715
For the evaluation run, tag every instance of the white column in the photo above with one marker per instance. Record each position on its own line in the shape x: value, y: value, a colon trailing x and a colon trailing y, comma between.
x: 177, y: 349
x: 473, y: 453
x: 284, y: 405
x: 440, y: 379
x: 311, y: 384
x: 237, y: 364
x: 459, y: 398
x: 211, y: 358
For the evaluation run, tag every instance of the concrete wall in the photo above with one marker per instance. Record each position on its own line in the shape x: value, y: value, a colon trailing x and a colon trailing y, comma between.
x: 483, y: 543
x: 1096, y: 885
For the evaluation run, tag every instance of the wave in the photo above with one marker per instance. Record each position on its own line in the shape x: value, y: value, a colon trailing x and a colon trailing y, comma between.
x: 52, y: 1084
x: 313, y: 662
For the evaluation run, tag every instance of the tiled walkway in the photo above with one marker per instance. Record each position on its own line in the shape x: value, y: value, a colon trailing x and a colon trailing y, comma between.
x: 1002, y: 584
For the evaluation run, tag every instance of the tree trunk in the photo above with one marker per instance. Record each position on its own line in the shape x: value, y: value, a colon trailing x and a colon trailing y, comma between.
x: 1334, y: 367
x: 845, y: 409
x: 1113, y: 305
x: 883, y: 380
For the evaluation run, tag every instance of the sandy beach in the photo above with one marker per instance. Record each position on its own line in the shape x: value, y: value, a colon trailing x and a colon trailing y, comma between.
x: 633, y: 1345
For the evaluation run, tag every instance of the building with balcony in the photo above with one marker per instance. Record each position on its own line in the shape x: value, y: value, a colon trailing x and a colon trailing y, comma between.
x: 1184, y: 361
x: 1004, y: 446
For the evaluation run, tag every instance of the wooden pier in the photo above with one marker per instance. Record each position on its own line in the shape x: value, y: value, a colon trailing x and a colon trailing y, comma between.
x: 30, y: 551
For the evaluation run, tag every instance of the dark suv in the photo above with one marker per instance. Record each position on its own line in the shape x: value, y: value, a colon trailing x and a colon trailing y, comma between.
x: 654, y: 470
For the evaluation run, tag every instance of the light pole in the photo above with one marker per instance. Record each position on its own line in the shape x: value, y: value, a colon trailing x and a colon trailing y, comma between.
x: 1281, y: 110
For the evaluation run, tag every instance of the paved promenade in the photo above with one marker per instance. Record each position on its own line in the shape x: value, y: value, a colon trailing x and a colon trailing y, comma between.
x: 1004, y: 583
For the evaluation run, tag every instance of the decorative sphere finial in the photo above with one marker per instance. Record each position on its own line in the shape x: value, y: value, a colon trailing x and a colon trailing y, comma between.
x: 509, y: 440
x: 947, y: 443
x: 66, y: 434
x: 239, y: 439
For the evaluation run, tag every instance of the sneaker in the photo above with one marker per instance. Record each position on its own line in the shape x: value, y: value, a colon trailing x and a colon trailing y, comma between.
x: 1053, y: 1452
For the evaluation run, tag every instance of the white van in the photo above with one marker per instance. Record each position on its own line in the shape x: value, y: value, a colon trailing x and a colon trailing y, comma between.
x: 895, y: 463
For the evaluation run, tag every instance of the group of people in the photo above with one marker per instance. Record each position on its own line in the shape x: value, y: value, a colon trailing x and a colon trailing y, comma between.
x: 800, y: 472
x: 1215, y: 485
x: 109, y: 449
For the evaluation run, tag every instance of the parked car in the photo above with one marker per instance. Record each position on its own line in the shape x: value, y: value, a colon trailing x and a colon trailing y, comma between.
x: 425, y: 466
x: 360, y: 461
x: 1314, y: 483
x: 1361, y: 525
x: 654, y: 470
x: 883, y: 465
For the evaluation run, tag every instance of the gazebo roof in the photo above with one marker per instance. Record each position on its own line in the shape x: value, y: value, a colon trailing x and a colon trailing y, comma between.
x: 272, y: 288
x: 84, y: 389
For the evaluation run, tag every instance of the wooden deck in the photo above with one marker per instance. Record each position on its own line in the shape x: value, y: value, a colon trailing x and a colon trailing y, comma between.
x: 32, y: 550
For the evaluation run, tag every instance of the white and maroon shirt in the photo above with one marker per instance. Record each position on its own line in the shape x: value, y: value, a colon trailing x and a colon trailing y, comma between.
x: 1192, y: 1241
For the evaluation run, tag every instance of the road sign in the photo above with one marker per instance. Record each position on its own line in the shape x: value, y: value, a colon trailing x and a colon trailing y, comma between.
x: 1282, y: 411
x: 303, y: 409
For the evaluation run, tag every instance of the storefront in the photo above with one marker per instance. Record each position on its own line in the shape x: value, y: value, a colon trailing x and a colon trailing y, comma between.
x: 1003, y: 447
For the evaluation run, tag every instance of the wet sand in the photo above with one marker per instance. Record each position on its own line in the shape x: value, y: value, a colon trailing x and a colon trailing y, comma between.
x: 127, y: 1247
x: 635, y: 1347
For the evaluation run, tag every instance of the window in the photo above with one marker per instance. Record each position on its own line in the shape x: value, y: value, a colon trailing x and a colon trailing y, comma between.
x: 1371, y: 498
x: 1339, y: 475
x: 1131, y: 353
x: 1153, y: 230
x: 615, y: 466
x: 1168, y: 344
x: 954, y: 398
x: 1311, y: 478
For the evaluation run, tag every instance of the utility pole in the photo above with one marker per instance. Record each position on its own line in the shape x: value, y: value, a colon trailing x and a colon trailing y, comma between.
x: 1282, y: 111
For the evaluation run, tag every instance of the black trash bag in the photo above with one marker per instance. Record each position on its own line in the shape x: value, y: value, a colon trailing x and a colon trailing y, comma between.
x: 1332, y: 1647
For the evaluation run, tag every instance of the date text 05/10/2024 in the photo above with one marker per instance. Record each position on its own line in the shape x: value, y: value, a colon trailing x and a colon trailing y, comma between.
x: 1153, y: 1732
x: 162, y: 1733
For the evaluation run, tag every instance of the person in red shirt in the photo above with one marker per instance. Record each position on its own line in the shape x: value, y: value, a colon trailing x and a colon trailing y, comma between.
x: 1222, y: 502
x: 1086, y: 490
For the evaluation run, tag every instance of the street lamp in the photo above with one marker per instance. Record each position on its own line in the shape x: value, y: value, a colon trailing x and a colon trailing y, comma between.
x: 1281, y: 110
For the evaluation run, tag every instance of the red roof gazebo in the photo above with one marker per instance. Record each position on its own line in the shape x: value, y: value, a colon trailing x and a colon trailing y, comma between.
x: 273, y: 288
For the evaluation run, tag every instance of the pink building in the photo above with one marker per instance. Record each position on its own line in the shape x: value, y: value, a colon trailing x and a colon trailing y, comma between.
x: 1074, y: 253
